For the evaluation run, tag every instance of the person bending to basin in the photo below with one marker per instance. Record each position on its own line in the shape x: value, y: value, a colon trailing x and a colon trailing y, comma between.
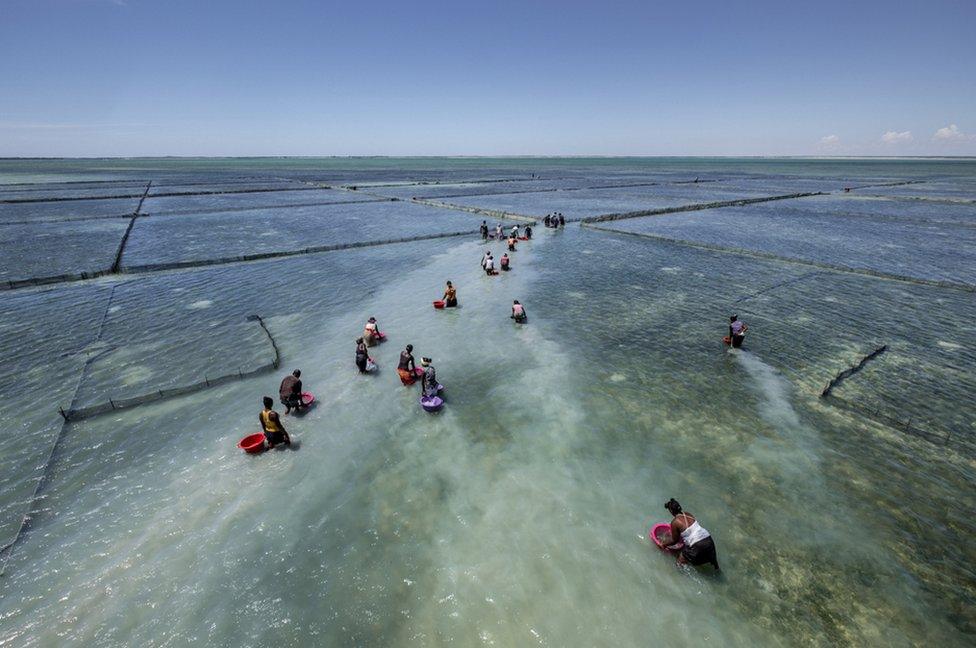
x: 699, y: 548
x: 371, y: 332
x: 518, y: 312
x: 274, y: 431
x: 504, y: 261
x: 511, y: 243
x: 406, y: 367
x: 290, y: 392
x: 737, y: 331
x: 428, y: 381
x: 450, y: 295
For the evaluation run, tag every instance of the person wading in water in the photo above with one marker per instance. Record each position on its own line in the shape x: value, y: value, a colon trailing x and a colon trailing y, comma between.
x: 699, y: 548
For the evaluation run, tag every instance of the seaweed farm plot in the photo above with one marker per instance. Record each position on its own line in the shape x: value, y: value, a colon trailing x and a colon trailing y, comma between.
x: 46, y: 339
x: 519, y: 186
x: 158, y: 241
x: 920, y: 384
x: 225, y: 187
x: 784, y: 185
x: 576, y: 205
x: 818, y: 231
x: 810, y: 324
x: 63, y: 192
x: 190, y: 204
x: 67, y: 210
x: 46, y: 251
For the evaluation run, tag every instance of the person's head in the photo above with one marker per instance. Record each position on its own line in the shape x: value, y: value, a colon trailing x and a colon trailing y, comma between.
x: 372, y: 320
x: 515, y: 302
x: 409, y: 348
x: 673, y: 507
x: 733, y: 318
x: 268, y: 402
x: 448, y: 284
x: 297, y: 373
x: 425, y: 362
x: 359, y: 340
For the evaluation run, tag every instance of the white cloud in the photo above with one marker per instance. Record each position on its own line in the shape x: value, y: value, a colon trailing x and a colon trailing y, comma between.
x: 830, y: 140
x: 894, y: 137
x: 951, y: 133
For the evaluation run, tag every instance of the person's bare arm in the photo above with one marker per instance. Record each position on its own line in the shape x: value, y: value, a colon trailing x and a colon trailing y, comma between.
x: 261, y: 418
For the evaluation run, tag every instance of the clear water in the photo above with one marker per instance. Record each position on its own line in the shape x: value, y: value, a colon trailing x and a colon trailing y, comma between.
x: 518, y: 515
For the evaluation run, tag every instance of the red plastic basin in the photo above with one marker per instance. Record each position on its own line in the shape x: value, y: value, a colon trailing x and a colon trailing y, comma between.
x: 252, y: 443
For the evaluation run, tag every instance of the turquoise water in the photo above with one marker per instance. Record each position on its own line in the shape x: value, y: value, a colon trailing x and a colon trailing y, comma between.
x: 518, y: 515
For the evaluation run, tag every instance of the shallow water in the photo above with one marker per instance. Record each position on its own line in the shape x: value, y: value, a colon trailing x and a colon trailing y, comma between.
x: 519, y: 514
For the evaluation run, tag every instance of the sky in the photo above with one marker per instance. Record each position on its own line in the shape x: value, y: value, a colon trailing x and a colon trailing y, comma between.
x: 644, y: 77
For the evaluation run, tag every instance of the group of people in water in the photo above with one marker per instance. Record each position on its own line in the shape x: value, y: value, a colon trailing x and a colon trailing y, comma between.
x: 499, y: 234
x: 290, y: 393
x: 555, y: 219
x: 407, y: 370
x: 691, y: 542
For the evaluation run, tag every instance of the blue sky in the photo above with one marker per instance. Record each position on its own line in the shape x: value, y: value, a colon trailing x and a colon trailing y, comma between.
x: 221, y: 77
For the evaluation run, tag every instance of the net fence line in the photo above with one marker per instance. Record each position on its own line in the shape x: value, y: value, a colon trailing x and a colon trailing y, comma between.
x: 853, y: 369
x: 899, y: 183
x: 739, y: 202
x: 117, y: 263
x: 952, y: 285
x: 261, y: 256
x: 7, y: 549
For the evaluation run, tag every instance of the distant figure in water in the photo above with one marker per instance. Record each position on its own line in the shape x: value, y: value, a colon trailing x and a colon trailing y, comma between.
x: 505, y: 262
x: 485, y: 258
x: 518, y: 312
x: 737, y: 331
x: 406, y: 367
x: 274, y: 431
x: 528, y: 232
x: 490, y: 265
x: 371, y: 332
x: 562, y: 221
x: 484, y: 230
x: 290, y: 392
x: 547, y: 220
x: 428, y: 381
x: 699, y: 547
x: 362, y: 355
x: 498, y: 232
x: 515, y: 232
x: 450, y: 295
x: 511, y: 243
